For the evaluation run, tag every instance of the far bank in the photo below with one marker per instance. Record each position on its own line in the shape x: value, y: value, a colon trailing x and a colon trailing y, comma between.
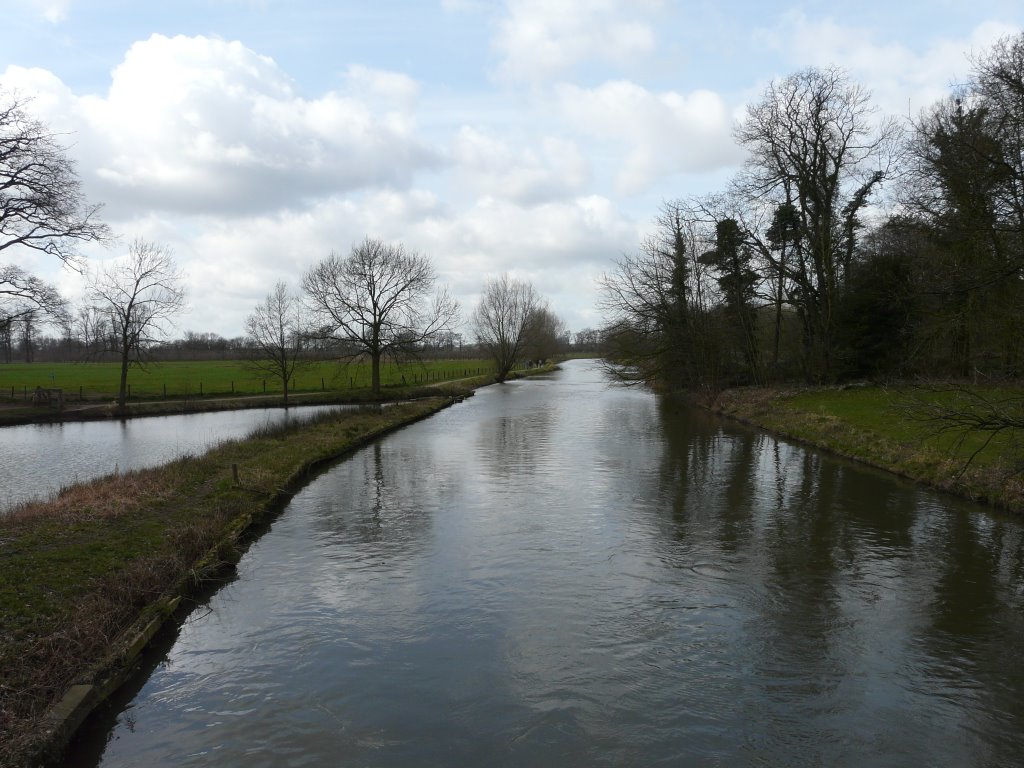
x: 885, y: 428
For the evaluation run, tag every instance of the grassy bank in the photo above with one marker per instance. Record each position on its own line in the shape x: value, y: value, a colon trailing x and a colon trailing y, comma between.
x: 99, y: 561
x: 15, y: 413
x: 877, y: 426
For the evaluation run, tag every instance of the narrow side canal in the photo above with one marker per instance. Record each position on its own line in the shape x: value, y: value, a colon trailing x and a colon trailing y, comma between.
x: 37, y: 460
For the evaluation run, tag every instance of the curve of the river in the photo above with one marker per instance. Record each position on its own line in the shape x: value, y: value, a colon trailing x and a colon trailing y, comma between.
x: 559, y: 572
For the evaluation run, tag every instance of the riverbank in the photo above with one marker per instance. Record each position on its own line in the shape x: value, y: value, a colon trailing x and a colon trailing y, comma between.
x: 873, y: 425
x: 87, y: 578
x: 16, y: 414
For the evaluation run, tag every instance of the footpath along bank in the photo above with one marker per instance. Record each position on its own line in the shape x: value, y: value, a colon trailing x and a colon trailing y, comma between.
x: 87, y: 579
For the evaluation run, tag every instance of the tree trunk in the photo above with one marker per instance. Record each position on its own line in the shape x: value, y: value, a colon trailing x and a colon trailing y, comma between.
x: 122, y: 391
x: 375, y: 372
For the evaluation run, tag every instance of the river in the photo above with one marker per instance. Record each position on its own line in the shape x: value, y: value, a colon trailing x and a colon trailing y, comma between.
x: 561, y: 572
x: 37, y: 460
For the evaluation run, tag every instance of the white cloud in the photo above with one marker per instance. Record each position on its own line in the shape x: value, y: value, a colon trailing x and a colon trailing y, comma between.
x: 488, y: 166
x: 231, y: 262
x: 393, y: 89
x: 201, y: 125
x: 54, y: 11
x: 664, y: 133
x: 541, y: 39
x: 900, y: 77
x: 462, y: 6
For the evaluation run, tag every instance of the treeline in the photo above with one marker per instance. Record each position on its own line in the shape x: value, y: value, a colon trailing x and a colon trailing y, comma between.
x: 850, y: 245
x: 378, y: 302
x: 31, y: 340
x: 90, y: 335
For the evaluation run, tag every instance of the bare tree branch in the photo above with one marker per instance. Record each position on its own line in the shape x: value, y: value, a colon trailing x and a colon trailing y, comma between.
x: 42, y: 206
x: 140, y: 295
x: 378, y: 301
x: 277, y: 336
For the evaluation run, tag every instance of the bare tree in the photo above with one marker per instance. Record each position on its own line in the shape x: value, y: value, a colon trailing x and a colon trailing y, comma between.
x: 545, y: 335
x: 276, y: 338
x: 817, y: 150
x: 656, y: 303
x: 378, y: 302
x: 41, y: 208
x: 41, y: 202
x: 24, y: 298
x: 140, y: 294
x: 91, y: 329
x: 501, y: 320
x: 21, y: 292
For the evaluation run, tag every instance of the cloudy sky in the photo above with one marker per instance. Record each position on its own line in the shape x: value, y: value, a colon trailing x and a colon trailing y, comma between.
x: 536, y: 137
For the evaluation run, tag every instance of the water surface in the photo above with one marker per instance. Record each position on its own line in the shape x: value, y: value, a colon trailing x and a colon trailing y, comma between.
x: 37, y: 460
x: 557, y: 572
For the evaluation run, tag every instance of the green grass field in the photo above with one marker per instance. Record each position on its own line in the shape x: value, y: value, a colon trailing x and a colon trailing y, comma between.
x: 99, y: 381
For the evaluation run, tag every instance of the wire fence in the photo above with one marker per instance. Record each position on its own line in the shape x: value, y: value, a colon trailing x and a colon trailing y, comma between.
x: 153, y: 386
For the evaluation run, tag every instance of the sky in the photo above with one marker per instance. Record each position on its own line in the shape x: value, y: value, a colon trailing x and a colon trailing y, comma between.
x: 534, y: 137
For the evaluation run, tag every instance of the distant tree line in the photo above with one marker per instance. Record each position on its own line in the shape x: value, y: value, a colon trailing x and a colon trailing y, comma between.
x: 377, y: 302
x: 849, y: 246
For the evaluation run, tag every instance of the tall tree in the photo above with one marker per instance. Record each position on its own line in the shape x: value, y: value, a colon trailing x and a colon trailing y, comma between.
x: 276, y: 336
x: 42, y: 208
x: 501, y: 320
x: 952, y: 188
x: 378, y: 302
x: 737, y: 280
x: 965, y: 186
x: 545, y: 335
x: 657, y: 304
x: 815, y: 145
x: 140, y: 294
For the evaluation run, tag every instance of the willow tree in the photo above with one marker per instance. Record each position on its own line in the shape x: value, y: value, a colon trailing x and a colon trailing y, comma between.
x: 502, y: 320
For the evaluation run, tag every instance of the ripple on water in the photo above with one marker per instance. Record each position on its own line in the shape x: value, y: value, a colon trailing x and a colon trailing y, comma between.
x: 560, y: 573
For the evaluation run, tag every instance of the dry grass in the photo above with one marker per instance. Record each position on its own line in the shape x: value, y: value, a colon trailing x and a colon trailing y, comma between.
x: 106, y: 498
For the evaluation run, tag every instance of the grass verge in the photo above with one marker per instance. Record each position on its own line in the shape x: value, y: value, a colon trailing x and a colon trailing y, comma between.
x: 80, y: 571
x: 875, y: 426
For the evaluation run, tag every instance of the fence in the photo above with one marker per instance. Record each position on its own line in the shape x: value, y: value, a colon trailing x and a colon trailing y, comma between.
x: 156, y: 387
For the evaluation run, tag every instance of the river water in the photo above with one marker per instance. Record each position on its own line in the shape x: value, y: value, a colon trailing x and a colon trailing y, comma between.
x: 37, y: 460
x: 559, y: 572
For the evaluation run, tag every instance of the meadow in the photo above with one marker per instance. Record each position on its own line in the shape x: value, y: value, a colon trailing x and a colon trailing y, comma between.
x: 187, y: 379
